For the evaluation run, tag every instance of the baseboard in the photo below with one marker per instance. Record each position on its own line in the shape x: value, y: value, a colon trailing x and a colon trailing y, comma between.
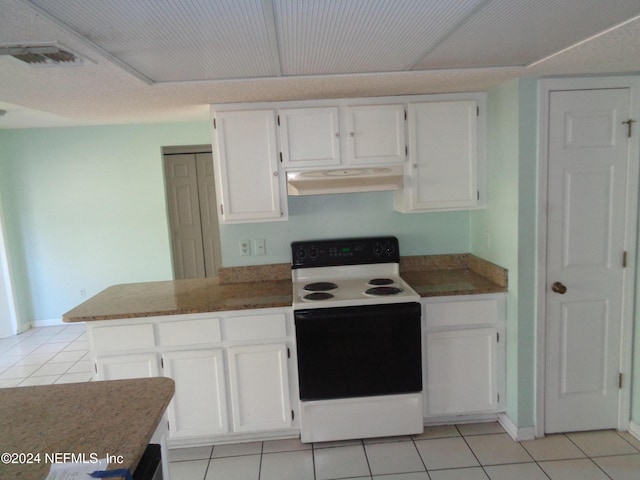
x: 459, y: 419
x: 518, y: 434
x: 634, y: 429
x: 47, y: 322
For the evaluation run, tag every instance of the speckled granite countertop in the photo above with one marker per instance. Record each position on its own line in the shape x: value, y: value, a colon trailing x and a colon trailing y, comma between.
x: 115, y: 417
x: 178, y: 297
x: 269, y: 286
x: 463, y: 274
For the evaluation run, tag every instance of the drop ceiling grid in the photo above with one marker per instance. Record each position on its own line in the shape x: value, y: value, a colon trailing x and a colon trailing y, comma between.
x: 356, y: 36
x: 519, y: 32
x: 196, y: 39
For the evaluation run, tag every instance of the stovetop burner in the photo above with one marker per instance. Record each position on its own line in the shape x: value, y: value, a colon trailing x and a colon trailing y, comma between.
x: 319, y: 286
x: 348, y: 272
x: 318, y: 296
x: 383, y: 291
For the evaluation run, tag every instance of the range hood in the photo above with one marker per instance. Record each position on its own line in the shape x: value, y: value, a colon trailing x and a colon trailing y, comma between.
x: 344, y: 180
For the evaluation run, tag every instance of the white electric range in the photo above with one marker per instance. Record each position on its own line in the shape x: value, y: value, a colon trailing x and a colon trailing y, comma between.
x: 358, y: 340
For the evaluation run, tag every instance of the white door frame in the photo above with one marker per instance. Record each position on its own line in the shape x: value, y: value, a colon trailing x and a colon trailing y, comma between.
x: 545, y: 87
x: 7, y: 292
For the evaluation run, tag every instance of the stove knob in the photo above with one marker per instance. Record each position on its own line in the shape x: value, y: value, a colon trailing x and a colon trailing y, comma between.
x: 377, y: 249
x: 302, y: 253
x: 389, y: 248
x: 313, y: 253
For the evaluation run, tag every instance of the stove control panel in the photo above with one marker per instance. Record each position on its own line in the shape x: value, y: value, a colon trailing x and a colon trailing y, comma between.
x: 346, y: 251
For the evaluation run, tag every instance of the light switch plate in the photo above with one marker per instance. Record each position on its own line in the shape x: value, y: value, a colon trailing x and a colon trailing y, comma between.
x: 259, y: 246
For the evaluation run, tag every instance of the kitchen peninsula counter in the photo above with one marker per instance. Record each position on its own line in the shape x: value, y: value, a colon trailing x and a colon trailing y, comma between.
x: 178, y: 297
x: 96, y: 418
x: 269, y: 286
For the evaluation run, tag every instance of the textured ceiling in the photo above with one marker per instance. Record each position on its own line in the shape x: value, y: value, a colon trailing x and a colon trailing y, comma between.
x: 166, y: 60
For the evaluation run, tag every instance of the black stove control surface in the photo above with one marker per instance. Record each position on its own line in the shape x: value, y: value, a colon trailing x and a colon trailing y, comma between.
x: 345, y: 251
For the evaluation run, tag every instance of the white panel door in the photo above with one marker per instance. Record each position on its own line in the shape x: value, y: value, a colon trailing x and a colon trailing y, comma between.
x: 259, y: 387
x: 247, y: 165
x: 462, y: 371
x: 208, y: 213
x: 309, y: 137
x: 183, y: 202
x: 588, y: 163
x: 376, y: 134
x: 199, y: 405
x: 443, y: 155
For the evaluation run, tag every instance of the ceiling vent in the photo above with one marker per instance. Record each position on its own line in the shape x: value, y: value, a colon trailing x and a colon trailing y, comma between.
x: 43, y: 55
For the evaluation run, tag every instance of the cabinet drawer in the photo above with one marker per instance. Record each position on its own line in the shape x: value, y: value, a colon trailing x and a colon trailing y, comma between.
x: 462, y: 313
x: 119, y: 338
x: 256, y: 327
x: 122, y: 367
x: 190, y: 332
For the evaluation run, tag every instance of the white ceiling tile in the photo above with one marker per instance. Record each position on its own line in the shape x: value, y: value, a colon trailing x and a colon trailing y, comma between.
x: 358, y: 36
x: 328, y: 49
x: 176, y: 40
x: 520, y: 32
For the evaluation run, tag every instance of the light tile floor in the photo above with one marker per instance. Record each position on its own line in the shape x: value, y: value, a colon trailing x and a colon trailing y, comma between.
x: 59, y: 354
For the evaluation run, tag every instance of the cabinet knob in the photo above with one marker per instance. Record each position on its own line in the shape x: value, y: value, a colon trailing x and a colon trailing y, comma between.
x: 275, y: 174
x: 337, y: 135
x: 351, y: 134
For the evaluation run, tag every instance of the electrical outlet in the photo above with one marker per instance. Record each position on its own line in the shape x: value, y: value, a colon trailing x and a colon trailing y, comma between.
x: 245, y: 247
x: 259, y: 246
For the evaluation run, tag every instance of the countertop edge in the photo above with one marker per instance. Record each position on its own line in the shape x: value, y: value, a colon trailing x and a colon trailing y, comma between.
x: 474, y: 276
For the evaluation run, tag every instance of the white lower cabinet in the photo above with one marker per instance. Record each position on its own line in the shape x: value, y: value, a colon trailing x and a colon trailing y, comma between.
x: 199, y: 405
x: 462, y: 371
x: 259, y: 388
x: 464, y: 355
x: 232, y: 370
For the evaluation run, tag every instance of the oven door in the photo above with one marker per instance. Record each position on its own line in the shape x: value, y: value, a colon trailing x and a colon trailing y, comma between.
x: 359, y: 351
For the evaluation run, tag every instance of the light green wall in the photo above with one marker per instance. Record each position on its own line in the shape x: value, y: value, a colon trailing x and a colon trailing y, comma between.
x: 348, y: 215
x: 527, y: 249
x: 85, y: 209
x: 494, y: 231
x: 504, y: 232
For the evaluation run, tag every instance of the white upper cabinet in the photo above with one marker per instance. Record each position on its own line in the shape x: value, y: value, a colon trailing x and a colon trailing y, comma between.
x: 443, y: 167
x: 309, y: 137
x: 438, y: 139
x: 368, y: 135
x: 375, y: 134
x: 249, y: 186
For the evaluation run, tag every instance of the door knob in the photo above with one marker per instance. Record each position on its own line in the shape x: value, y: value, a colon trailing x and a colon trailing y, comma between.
x: 558, y: 287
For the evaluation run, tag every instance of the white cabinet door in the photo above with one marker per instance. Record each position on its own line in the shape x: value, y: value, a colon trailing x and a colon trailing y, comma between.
x: 375, y: 134
x: 309, y: 137
x: 259, y: 388
x: 443, y: 157
x: 250, y: 186
x: 122, y: 367
x: 199, y: 405
x: 462, y: 371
